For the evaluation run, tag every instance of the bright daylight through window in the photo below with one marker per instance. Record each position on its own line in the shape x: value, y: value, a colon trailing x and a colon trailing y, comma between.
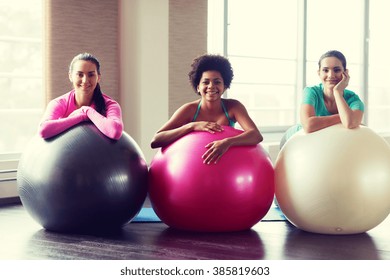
x: 21, y: 62
x: 275, y: 52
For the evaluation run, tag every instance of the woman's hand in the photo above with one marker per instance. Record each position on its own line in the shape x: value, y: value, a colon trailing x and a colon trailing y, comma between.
x: 215, y: 150
x: 81, y: 111
x: 342, y: 85
x: 211, y: 127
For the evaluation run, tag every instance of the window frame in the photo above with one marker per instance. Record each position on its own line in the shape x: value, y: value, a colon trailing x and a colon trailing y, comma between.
x: 302, y: 60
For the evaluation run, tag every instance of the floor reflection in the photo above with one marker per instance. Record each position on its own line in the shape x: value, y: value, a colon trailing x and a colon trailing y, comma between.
x: 244, y: 245
x: 300, y: 244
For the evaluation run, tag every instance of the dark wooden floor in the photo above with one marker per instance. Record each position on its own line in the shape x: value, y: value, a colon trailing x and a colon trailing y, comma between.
x: 22, y: 238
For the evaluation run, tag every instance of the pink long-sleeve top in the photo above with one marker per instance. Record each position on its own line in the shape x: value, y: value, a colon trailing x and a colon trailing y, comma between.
x: 62, y: 113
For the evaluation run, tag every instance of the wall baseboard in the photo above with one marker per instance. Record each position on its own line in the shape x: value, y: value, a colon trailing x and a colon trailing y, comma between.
x: 9, y: 201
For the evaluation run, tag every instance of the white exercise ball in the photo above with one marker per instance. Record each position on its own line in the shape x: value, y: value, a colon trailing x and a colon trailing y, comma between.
x: 335, y: 180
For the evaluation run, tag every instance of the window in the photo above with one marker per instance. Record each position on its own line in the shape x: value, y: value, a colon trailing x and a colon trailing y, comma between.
x: 274, y: 52
x: 329, y: 28
x: 378, y: 68
x: 263, y: 53
x: 21, y: 94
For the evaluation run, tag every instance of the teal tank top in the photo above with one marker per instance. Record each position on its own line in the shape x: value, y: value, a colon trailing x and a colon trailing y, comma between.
x: 231, y: 122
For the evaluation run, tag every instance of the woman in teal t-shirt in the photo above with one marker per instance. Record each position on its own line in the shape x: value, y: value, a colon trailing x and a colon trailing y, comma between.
x: 329, y: 103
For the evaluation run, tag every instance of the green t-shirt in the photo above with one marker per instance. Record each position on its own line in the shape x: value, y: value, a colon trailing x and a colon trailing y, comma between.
x: 314, y: 96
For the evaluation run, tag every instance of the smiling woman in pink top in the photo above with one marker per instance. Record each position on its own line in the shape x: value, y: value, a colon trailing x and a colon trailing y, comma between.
x: 85, y: 102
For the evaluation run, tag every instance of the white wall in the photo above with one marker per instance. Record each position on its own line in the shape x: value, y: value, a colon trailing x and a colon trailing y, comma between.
x: 143, y: 45
x: 158, y: 39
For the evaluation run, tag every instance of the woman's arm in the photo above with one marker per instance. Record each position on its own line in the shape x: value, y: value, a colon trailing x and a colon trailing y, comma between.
x: 179, y: 125
x: 349, y: 118
x: 111, y: 125
x: 53, y: 122
x: 310, y: 122
x: 250, y: 136
x: 170, y: 133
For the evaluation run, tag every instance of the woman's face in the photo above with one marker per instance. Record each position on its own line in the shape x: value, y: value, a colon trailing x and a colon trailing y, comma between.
x: 211, y: 85
x: 84, y: 77
x: 331, y: 71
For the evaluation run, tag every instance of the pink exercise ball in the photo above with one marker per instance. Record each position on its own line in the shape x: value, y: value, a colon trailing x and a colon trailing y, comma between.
x: 232, y: 195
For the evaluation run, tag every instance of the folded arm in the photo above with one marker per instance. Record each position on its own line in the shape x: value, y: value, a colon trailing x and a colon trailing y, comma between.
x: 111, y: 125
x: 54, y: 123
x: 311, y: 122
x: 177, y: 126
x: 250, y: 136
x: 348, y: 117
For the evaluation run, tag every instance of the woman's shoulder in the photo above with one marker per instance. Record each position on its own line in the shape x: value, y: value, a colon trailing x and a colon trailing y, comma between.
x: 185, y: 113
x: 349, y: 93
x: 188, y: 109
x: 312, y: 92
x: 314, y: 89
x: 190, y: 105
x: 109, y: 99
x: 63, y: 98
x: 233, y: 105
x: 352, y: 98
x: 230, y: 102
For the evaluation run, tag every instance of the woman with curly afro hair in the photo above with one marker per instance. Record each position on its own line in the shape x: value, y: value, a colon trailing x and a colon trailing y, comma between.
x: 210, y: 76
